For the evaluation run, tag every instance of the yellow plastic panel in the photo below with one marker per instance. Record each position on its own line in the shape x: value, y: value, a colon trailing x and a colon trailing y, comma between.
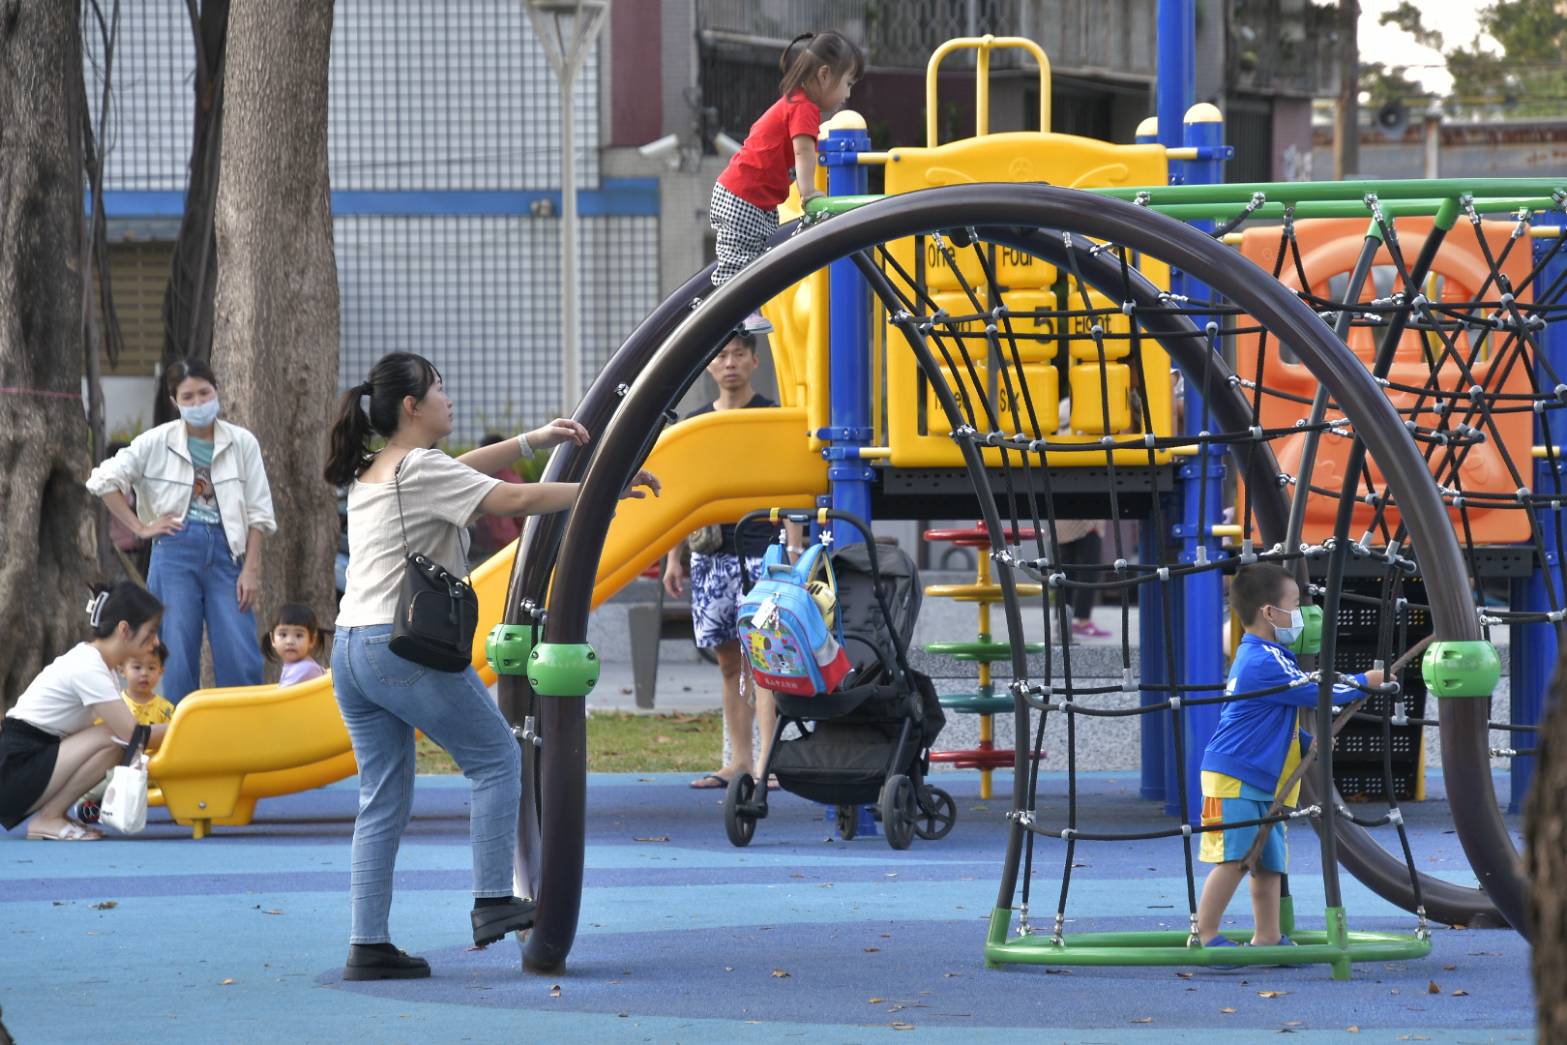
x: 1116, y: 327
x: 1093, y: 390
x: 1044, y: 391
x: 920, y: 440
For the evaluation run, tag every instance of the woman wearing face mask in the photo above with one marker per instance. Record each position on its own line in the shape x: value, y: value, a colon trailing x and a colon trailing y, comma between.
x: 202, y: 498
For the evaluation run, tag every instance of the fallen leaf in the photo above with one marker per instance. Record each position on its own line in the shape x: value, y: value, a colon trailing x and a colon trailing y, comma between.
x: 107, y: 905
x: 779, y: 974
x: 651, y: 838
x: 1460, y: 993
x: 227, y: 983
x: 1432, y: 988
x: 1292, y: 1023
x: 554, y: 990
x: 1271, y: 994
x: 1450, y: 967
x: 1184, y: 975
x: 872, y: 950
x: 1352, y: 1029
x: 877, y: 1001
x: 949, y: 975
x: 1228, y: 1012
x: 903, y: 1026
x: 272, y: 910
x: 1142, y: 1019
x: 662, y: 739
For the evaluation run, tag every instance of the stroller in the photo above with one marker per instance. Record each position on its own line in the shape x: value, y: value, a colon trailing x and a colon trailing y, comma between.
x: 868, y: 740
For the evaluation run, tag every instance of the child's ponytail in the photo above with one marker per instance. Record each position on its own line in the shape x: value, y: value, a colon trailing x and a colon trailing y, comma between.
x: 131, y: 603
x: 808, y: 52
x: 395, y: 377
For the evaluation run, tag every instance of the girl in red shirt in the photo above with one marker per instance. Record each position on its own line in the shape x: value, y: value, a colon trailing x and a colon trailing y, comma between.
x: 818, y: 71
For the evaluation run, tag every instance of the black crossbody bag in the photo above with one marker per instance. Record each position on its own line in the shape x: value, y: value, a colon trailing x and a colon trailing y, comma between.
x: 437, y: 612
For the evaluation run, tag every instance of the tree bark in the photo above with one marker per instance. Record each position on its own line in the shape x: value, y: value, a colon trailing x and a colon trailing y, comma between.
x: 275, y: 337
x: 193, y: 276
x: 46, y: 520
x: 1545, y: 832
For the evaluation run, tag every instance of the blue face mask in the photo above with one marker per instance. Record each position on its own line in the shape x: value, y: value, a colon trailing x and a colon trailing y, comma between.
x: 1288, y: 636
x: 201, y: 415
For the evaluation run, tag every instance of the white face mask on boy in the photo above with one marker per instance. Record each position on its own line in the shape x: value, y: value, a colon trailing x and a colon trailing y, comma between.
x: 1287, y: 636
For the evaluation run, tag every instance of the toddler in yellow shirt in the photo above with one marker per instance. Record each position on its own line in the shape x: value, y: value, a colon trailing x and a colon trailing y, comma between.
x: 142, y: 672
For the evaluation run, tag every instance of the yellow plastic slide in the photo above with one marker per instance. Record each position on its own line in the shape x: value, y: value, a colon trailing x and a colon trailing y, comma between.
x: 226, y: 748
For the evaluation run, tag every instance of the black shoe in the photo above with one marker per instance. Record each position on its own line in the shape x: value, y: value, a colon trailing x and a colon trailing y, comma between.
x: 494, y: 921
x: 371, y: 963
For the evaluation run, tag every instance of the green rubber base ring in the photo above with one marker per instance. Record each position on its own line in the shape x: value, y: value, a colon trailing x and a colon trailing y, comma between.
x: 976, y: 704
x: 1312, y: 947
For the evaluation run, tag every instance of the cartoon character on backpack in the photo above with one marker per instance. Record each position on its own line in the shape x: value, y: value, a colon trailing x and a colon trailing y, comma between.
x: 795, y: 646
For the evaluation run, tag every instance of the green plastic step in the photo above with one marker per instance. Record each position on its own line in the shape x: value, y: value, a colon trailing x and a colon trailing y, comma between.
x: 976, y: 703
x: 986, y: 652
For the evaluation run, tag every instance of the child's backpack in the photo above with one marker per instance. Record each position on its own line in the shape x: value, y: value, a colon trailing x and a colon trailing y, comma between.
x: 788, y: 629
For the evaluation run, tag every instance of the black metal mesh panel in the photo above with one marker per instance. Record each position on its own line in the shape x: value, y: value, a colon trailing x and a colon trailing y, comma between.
x: 480, y: 296
x: 153, y: 107
x: 430, y: 95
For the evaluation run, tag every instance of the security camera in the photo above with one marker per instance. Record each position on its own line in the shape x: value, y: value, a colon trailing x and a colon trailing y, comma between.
x: 725, y: 145
x: 666, y: 148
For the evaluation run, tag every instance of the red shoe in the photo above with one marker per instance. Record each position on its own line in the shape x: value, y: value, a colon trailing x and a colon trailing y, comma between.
x: 1088, y: 629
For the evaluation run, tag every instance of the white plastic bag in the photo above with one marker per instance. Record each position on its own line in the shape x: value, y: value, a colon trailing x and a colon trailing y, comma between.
x: 125, y: 802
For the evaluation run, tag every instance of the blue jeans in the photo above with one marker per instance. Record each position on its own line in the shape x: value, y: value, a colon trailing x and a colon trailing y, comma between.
x: 193, y: 575
x: 384, y: 698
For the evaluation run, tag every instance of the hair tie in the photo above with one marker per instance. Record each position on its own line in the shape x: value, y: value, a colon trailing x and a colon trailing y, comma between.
x: 95, y: 608
x: 364, y: 388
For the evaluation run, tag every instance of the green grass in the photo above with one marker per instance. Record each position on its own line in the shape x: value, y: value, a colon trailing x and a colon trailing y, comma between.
x: 623, y: 743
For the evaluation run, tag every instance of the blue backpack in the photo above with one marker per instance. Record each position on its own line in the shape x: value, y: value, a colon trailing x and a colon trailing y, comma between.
x: 784, y: 625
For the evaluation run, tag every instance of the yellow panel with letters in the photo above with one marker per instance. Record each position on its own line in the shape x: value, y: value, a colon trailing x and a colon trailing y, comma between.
x: 1032, y: 292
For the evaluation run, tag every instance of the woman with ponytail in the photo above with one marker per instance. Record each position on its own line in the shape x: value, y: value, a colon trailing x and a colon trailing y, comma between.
x: 51, y: 754
x: 384, y: 698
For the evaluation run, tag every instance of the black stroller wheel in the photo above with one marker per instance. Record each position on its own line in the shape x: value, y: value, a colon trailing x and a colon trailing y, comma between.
x: 739, y: 824
x: 937, y: 813
x: 848, y: 822
x: 898, y: 811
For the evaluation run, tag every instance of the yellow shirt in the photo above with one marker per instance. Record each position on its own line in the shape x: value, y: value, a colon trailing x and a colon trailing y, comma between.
x: 1222, y: 785
x: 155, y: 712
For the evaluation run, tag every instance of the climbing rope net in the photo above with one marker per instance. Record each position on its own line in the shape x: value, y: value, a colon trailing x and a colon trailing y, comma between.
x: 1458, y: 347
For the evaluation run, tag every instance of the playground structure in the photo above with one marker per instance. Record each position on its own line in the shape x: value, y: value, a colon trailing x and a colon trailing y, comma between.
x: 979, y: 303
x: 983, y: 408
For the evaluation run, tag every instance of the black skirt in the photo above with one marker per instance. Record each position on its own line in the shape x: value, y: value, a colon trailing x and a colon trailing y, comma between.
x: 27, y: 757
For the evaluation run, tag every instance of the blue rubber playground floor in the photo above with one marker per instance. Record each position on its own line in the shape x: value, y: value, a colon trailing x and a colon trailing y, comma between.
x: 240, y: 938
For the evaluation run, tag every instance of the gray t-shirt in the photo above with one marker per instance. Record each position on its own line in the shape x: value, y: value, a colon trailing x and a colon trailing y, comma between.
x: 440, y: 498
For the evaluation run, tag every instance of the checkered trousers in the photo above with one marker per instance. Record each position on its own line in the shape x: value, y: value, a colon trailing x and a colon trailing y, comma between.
x: 743, y: 230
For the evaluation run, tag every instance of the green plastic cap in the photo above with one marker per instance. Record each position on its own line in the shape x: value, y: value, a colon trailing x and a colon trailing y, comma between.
x: 1461, y: 669
x: 1309, y: 642
x: 563, y: 669
x: 507, y: 647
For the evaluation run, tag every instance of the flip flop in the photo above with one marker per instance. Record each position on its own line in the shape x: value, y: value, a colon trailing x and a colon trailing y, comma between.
x: 701, y: 783
x: 71, y: 832
x: 772, y: 782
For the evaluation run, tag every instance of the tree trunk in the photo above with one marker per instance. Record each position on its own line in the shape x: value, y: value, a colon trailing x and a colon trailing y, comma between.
x: 46, y: 529
x: 1545, y: 832
x: 193, y: 276
x: 275, y: 338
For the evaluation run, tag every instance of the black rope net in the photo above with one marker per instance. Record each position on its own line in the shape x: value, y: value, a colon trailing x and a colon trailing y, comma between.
x: 1458, y: 348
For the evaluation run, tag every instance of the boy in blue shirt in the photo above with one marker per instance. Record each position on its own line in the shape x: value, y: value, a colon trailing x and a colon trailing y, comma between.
x: 1254, y: 750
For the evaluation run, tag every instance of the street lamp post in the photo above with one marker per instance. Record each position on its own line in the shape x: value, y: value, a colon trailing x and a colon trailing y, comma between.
x: 567, y: 29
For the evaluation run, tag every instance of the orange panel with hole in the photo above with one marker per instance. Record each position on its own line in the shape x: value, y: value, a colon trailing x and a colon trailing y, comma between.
x: 1461, y: 273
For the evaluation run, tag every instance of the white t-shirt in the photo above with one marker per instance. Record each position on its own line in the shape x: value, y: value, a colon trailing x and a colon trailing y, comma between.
x: 440, y: 497
x: 59, y: 700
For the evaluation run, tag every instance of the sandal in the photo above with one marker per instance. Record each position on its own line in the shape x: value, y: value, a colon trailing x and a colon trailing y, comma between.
x: 710, y: 782
x: 71, y: 832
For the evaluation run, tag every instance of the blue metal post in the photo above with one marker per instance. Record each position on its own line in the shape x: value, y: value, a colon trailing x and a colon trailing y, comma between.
x: 1202, y: 488
x: 1151, y: 653
x: 849, y: 356
x: 1532, y: 656
x: 1177, y: 70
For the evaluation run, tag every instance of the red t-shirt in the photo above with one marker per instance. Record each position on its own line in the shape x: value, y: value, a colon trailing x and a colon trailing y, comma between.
x: 760, y: 172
